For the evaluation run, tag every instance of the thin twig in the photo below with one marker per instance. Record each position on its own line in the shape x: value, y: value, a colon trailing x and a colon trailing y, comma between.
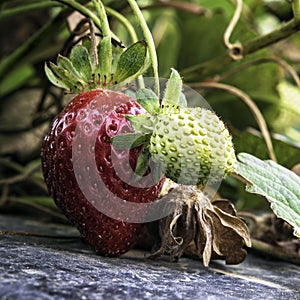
x: 189, y: 7
x: 21, y: 9
x: 252, y: 106
x: 124, y: 21
x: 20, y: 177
x: 275, y: 252
x: 296, y: 9
x: 131, y: 31
x: 150, y: 42
x: 94, y: 43
x: 221, y: 62
x: 4, y: 194
x: 32, y: 234
x: 236, y: 49
x: 288, y: 68
x: 36, y: 206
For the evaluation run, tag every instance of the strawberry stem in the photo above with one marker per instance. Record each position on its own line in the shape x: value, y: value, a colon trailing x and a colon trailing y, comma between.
x: 296, y: 9
x: 85, y: 11
x: 105, y: 53
x: 94, y: 44
x: 124, y: 21
x: 149, y: 40
x: 131, y: 32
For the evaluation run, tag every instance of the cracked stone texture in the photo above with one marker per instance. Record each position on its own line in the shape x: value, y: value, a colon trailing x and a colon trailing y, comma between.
x: 65, y: 268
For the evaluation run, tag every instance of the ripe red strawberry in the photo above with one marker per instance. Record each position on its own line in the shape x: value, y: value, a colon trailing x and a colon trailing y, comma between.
x: 89, y: 179
x: 94, y: 117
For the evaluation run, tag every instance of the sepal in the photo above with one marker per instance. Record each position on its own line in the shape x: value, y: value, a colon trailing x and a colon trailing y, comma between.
x: 131, y: 62
x: 63, y: 79
x: 129, y: 140
x: 81, y: 61
x: 182, y: 100
x: 148, y: 100
x: 141, y: 123
x: 173, y: 90
x: 142, y: 164
x: 66, y: 64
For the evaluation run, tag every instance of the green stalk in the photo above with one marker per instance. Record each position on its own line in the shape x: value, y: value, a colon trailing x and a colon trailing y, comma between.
x: 124, y: 21
x: 11, y: 12
x: 85, y: 12
x: 149, y: 40
x: 296, y: 9
x: 219, y: 63
x: 16, y: 58
x: 105, y: 54
x: 131, y: 31
x: 82, y: 9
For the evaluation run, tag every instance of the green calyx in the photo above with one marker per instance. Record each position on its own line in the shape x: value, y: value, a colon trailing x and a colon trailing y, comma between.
x: 80, y: 72
x: 90, y: 66
x: 191, y: 146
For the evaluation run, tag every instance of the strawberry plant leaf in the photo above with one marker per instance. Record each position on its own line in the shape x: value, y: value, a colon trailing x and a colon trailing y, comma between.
x: 82, y: 63
x: 279, y: 185
x: 148, y: 100
x: 128, y: 140
x: 131, y: 62
x: 286, y: 112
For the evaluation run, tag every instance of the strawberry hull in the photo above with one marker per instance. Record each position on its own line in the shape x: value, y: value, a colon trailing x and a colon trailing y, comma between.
x: 89, y: 179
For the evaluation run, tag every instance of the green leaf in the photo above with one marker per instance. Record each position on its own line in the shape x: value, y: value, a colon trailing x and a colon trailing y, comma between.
x: 82, y: 63
x: 129, y: 140
x: 16, y: 78
x: 288, y: 106
x: 141, y: 123
x: 148, y: 100
x: 131, y: 62
x: 279, y: 185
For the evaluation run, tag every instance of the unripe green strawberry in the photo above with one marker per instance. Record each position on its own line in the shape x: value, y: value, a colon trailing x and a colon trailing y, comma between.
x: 193, y: 144
x: 190, y: 146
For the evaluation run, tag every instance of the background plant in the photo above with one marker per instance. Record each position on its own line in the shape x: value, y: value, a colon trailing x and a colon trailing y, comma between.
x: 242, y: 56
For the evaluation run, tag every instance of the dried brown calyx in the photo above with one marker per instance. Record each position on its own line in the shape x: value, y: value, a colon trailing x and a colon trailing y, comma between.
x: 201, y: 227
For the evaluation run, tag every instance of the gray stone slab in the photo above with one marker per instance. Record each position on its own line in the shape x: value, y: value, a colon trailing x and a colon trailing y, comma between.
x: 65, y: 268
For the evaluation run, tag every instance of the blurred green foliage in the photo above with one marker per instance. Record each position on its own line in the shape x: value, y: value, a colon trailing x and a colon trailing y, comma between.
x: 187, y: 34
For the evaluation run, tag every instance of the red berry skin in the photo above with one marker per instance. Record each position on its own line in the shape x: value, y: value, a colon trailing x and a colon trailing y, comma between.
x: 94, y: 117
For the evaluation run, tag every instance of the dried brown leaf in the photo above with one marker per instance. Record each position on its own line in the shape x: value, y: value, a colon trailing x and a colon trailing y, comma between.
x: 202, y: 228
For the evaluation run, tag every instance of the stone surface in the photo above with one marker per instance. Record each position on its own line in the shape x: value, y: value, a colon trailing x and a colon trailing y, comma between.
x: 62, y: 267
